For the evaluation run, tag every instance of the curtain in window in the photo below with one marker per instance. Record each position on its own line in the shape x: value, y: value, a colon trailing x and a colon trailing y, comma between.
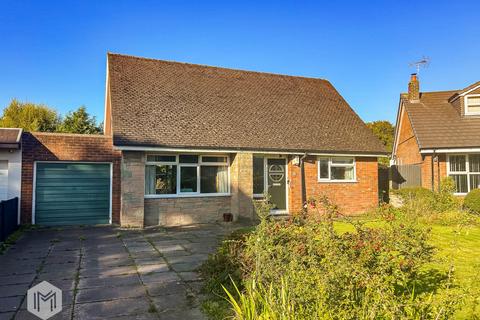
x: 222, y: 179
x: 150, y: 179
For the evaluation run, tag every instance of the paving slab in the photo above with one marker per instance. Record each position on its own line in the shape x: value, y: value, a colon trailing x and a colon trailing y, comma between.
x: 111, y: 309
x: 110, y: 293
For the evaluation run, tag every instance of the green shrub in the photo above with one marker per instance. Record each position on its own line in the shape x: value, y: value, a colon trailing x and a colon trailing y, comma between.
x: 472, y: 201
x: 414, y: 193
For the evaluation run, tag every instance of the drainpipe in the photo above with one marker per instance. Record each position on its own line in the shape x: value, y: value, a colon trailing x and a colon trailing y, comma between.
x: 433, y: 171
x: 302, y: 178
x: 438, y: 173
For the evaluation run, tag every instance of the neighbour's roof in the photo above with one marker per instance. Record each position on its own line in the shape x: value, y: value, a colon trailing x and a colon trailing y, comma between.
x: 10, y: 138
x: 437, y: 124
x: 169, y: 104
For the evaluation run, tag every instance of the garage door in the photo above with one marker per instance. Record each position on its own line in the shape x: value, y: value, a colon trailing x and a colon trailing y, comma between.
x: 72, y: 193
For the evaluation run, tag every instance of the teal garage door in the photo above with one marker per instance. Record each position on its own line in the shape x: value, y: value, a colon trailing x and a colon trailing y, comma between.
x: 72, y: 193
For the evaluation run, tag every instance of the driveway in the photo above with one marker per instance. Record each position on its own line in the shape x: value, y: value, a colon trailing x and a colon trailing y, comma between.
x: 105, y: 272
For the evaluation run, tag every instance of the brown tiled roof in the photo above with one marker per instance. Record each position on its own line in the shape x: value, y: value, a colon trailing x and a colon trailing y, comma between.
x: 171, y: 104
x: 437, y: 124
x: 10, y: 138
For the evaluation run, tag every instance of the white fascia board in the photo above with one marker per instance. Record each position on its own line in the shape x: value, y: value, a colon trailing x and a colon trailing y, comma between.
x: 458, y: 150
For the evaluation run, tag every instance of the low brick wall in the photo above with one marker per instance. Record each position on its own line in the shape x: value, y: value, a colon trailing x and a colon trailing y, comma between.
x: 185, y: 211
x: 66, y: 147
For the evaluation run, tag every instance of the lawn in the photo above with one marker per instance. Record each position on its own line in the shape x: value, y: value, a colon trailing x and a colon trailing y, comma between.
x: 458, y: 247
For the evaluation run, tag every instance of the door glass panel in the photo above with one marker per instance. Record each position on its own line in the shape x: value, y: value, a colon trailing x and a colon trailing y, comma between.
x: 258, y: 175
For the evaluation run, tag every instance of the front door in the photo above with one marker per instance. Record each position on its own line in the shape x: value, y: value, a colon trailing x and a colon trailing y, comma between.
x: 276, y: 183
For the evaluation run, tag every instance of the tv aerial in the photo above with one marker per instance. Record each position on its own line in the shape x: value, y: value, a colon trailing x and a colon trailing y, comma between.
x: 422, y: 63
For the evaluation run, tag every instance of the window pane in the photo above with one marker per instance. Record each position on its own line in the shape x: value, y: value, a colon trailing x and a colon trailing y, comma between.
x: 474, y: 181
x: 342, y: 160
x: 213, y: 179
x: 473, y: 109
x: 214, y: 159
x: 458, y: 163
x: 342, y: 173
x: 460, y: 183
x: 161, y: 179
x: 157, y: 158
x: 188, y: 158
x: 188, y: 179
x: 474, y: 162
x: 323, y: 163
x: 258, y: 175
x: 473, y: 101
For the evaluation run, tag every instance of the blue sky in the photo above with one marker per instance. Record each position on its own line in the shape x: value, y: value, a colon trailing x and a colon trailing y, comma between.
x: 54, y: 52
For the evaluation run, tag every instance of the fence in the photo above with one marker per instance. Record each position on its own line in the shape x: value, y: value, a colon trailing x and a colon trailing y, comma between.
x: 8, y: 217
x: 383, y: 184
x: 406, y: 175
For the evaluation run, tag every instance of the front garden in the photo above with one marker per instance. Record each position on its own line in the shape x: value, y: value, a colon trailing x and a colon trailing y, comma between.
x: 420, y: 261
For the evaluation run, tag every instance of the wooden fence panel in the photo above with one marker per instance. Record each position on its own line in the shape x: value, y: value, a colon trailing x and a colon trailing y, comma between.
x: 406, y: 175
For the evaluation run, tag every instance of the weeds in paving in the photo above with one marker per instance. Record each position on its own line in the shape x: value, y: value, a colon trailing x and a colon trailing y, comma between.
x: 12, y: 239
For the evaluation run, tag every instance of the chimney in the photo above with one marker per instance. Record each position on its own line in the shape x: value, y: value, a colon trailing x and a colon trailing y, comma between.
x: 414, y: 88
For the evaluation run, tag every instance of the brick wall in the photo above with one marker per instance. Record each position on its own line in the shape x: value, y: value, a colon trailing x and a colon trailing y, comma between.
x: 185, y: 211
x: 66, y: 147
x: 407, y: 151
x: 351, y: 197
x: 133, y: 189
x: 441, y: 166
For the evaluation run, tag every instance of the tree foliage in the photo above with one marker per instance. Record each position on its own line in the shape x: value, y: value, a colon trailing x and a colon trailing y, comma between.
x: 384, y: 131
x: 79, y: 121
x: 30, y: 117
x: 39, y: 117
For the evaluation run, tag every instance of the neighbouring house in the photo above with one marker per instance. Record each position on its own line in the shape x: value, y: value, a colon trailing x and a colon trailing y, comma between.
x: 438, y: 135
x: 198, y: 141
x: 10, y: 163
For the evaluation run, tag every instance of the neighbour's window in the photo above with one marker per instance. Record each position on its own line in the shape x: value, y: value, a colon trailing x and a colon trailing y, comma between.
x: 186, y: 175
x: 472, y: 104
x: 258, y: 176
x: 465, y: 171
x: 336, y: 169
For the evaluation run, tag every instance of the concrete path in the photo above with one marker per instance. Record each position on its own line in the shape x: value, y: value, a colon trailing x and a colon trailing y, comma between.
x: 105, y: 272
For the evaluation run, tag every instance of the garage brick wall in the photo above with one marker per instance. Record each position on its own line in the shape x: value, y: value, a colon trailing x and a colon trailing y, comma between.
x: 66, y: 147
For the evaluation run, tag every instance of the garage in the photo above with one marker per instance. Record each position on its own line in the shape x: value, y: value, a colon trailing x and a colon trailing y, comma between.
x: 72, y: 193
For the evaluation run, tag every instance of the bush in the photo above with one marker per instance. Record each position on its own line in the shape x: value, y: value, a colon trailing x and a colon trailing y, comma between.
x: 472, y: 201
x: 303, y: 268
x: 414, y: 193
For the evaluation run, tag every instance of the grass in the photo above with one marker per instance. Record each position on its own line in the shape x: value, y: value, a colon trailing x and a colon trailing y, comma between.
x: 458, y: 247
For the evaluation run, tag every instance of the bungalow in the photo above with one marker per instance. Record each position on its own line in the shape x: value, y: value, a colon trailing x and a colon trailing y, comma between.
x: 199, y: 141
x: 439, y: 133
x: 187, y: 143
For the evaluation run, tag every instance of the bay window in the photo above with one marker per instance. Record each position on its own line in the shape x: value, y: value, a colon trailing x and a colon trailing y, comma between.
x: 341, y: 169
x: 186, y: 175
x: 464, y: 169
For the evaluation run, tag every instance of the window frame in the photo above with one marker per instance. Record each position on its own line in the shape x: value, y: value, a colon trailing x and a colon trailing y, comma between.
x: 467, y: 112
x: 466, y: 172
x: 336, y: 165
x: 179, y: 165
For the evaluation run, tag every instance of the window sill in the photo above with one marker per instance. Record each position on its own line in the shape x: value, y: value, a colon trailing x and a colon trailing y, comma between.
x: 197, y: 195
x: 337, y: 181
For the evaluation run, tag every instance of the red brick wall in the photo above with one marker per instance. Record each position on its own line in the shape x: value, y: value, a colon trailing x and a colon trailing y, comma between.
x: 427, y: 170
x: 66, y: 147
x: 407, y: 147
x: 351, y: 197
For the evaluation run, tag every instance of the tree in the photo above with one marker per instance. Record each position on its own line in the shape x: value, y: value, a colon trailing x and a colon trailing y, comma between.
x: 384, y: 131
x: 30, y: 117
x: 80, y: 121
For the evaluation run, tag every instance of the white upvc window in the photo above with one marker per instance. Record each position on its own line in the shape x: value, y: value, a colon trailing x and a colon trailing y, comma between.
x: 464, y: 169
x: 336, y: 169
x: 185, y: 175
x: 472, y: 104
